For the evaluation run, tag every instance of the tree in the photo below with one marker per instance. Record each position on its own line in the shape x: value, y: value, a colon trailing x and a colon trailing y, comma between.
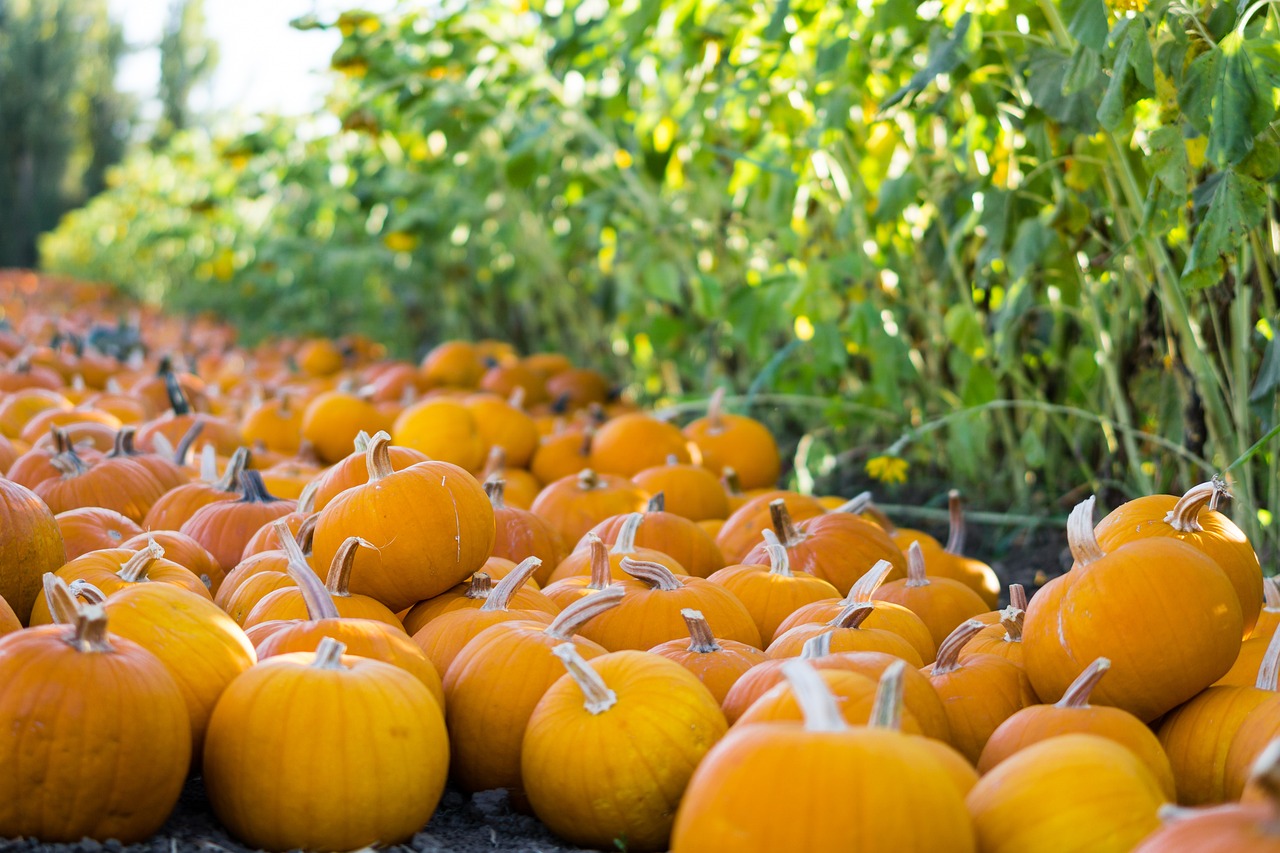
x: 187, y: 57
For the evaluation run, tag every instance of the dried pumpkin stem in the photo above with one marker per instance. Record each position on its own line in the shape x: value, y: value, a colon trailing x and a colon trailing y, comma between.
x: 817, y: 704
x: 1011, y: 619
x: 1080, y: 536
x: 701, y: 639
x: 289, y: 543
x: 864, y: 587
x: 588, y: 479
x: 329, y: 654
x: 657, y: 503
x: 500, y: 598
x: 779, y: 556
x: 582, y: 611
x: 61, y: 601
x: 87, y: 592
x: 599, y: 698
x: 732, y: 483
x: 230, y: 480
x: 479, y: 587
x: 135, y: 569
x: 307, y: 499
x: 185, y: 443
x: 360, y: 443
x: 786, y: 529
x: 601, y: 576
x: 377, y: 458
x: 496, y: 488
x: 626, y: 541
x: 853, y: 615
x: 305, y: 538
x: 1185, y: 515
x: 817, y: 647
x: 90, y: 633
x: 949, y: 652
x: 856, y: 505
x: 715, y: 410
x: 655, y: 575
x: 1077, y: 695
x: 916, y: 575
x: 208, y: 464
x: 1269, y: 669
x: 1271, y: 593
x: 495, y: 462
x: 1018, y: 596
x: 956, y: 533
x: 123, y: 444
x: 886, y: 709
x: 344, y: 560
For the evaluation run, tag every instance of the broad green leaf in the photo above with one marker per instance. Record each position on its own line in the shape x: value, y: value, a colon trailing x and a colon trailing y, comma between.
x: 1168, y: 160
x: 1235, y: 204
x: 1223, y: 100
x: 945, y: 55
x: 1087, y: 21
x: 1045, y: 76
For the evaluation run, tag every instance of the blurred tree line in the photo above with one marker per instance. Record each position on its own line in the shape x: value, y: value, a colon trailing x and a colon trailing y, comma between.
x: 63, y: 121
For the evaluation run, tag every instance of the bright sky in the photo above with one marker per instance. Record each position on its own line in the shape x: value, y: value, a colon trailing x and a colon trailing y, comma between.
x: 264, y: 64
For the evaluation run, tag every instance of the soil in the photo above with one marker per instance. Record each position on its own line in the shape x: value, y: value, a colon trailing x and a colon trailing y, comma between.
x: 486, y: 822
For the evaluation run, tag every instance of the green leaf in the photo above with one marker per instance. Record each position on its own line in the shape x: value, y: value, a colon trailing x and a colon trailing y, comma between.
x: 778, y: 23
x: 1268, y: 374
x: 1132, y: 53
x: 1045, y: 76
x: 945, y: 55
x: 662, y: 281
x: 895, y: 195
x: 1222, y: 98
x: 1168, y: 160
x: 1087, y: 21
x: 1236, y: 204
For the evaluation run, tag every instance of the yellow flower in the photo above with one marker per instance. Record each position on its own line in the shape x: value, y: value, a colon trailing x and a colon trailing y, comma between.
x: 400, y: 241
x: 888, y: 469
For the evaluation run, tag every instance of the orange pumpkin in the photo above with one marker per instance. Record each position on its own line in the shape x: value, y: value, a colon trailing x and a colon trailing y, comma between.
x: 581, y: 561
x: 519, y: 533
x: 573, y: 505
x: 176, y: 506
x: 850, y: 634
x: 716, y: 663
x: 941, y: 603
x: 691, y: 490
x: 225, y: 527
x: 667, y: 533
x: 628, y: 444
x: 741, y: 530
x: 184, y: 551
x: 289, y: 603
x: 774, y: 592
x: 474, y: 593
x: 738, y: 442
x: 443, y: 429
x: 30, y: 545
x: 332, y: 420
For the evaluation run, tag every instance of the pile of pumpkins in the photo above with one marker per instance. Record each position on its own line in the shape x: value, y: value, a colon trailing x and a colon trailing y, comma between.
x: 329, y: 582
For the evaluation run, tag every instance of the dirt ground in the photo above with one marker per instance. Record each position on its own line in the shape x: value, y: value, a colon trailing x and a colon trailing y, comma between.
x: 485, y: 822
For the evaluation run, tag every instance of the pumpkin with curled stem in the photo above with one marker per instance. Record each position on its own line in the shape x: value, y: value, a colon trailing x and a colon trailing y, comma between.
x: 353, y: 469
x: 941, y: 603
x: 741, y: 530
x: 624, y: 536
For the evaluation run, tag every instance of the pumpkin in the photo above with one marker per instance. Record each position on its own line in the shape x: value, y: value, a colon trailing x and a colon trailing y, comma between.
x: 495, y: 682
x: 93, y: 529
x: 667, y: 533
x: 716, y: 663
x: 1198, y: 734
x: 629, y: 443
x: 168, y: 474
x: 353, y: 469
x: 855, y: 694
x: 941, y: 603
x: 979, y: 692
x: 691, y: 490
x: 774, y: 592
x: 371, y: 724
x: 520, y: 487
x: 175, y: 424
x: 443, y: 429
x: 837, y: 546
x: 738, y: 442
x: 610, y: 747
x: 1074, y: 792
x: 266, y: 539
x: 748, y: 794
x: 81, y: 706
x: 1193, y: 520
x: 198, y: 644
x: 505, y: 380
x: 579, y: 387
x: 850, y: 635
x: 453, y: 364
x: 570, y: 589
x: 519, y: 533
x: 288, y: 603
x: 565, y: 453
x: 431, y: 527
x: 475, y: 592
x: 1161, y: 611
x: 650, y: 612
x: 573, y: 505
x: 502, y: 424
x: 741, y: 530
x: 176, y: 506
x: 332, y: 420
x: 623, y: 535
x: 1073, y: 714
x: 30, y: 544
x: 19, y: 407
x: 225, y: 527
x: 1003, y: 639
x: 276, y: 424
x: 120, y: 484
x: 8, y: 619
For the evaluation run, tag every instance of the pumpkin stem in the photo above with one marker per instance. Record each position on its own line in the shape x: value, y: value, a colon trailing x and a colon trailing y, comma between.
x: 657, y: 503
x: 90, y: 633
x: 315, y: 595
x: 291, y: 545
x: 588, y: 436
x: 254, y: 489
x: 329, y: 654
x: 817, y: 647
x: 915, y: 566
x: 626, y: 541
x: 856, y: 505
x: 344, y: 560
x: 307, y: 500
x: 1018, y: 596
x: 817, y: 704
x: 60, y: 440
x: 578, y: 613
x: 185, y: 443
x: 495, y: 462
x: 177, y: 397
x: 496, y: 488
x: 1271, y: 593
x: 1266, y: 775
x: 500, y: 598
x: 864, y: 587
x: 715, y: 410
x: 786, y: 529
x: 87, y: 592
x: 655, y: 575
x: 601, y: 576
x: 135, y: 568
x: 378, y: 456
x: 732, y: 483
x: 285, y: 409
x: 1011, y: 619
x: 208, y: 461
x: 853, y: 615
x: 1185, y: 515
x: 62, y: 603
x: 1269, y: 669
x: 955, y: 512
x: 479, y: 587
x: 230, y: 481
x: 1080, y: 536
x: 949, y: 652
x: 599, y: 698
x: 306, y: 535
x: 886, y: 708
x: 516, y: 400
x: 779, y: 557
x: 1078, y: 693
x: 588, y: 479
x: 69, y: 464
x: 360, y: 443
x: 701, y: 639
x: 123, y: 444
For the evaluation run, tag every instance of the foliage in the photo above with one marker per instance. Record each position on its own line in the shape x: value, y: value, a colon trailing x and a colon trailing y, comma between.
x: 62, y: 122
x: 1039, y: 234
x: 187, y: 56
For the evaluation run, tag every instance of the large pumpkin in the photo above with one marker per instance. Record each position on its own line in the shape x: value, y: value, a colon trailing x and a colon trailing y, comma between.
x: 30, y: 545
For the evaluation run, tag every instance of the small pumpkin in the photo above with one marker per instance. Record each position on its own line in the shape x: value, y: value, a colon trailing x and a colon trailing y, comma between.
x: 573, y: 505
x: 176, y: 506
x: 735, y: 441
x: 473, y: 594
x: 691, y: 491
x: 741, y: 530
x: 623, y: 536
x: 941, y: 603
x: 850, y: 634
x: 774, y: 592
x: 667, y: 533
x: 519, y: 533
x: 716, y: 663
x: 629, y: 443
x: 225, y: 527
x: 288, y: 603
